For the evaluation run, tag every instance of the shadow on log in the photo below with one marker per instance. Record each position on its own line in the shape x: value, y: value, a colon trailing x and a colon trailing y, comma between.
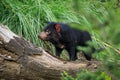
x: 19, y: 59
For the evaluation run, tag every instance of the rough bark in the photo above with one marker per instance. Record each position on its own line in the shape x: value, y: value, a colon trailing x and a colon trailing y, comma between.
x: 19, y: 59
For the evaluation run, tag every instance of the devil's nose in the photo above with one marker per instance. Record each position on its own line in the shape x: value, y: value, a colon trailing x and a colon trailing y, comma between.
x: 42, y: 36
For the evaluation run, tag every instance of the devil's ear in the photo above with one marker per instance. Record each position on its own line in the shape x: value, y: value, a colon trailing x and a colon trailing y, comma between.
x: 57, y: 27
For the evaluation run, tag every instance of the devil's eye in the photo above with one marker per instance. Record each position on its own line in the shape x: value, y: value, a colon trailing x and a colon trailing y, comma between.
x: 48, y: 31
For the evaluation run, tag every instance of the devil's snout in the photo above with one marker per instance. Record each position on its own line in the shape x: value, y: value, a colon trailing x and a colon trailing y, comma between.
x: 42, y: 36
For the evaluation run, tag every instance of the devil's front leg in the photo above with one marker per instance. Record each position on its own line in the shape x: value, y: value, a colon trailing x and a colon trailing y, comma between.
x: 58, y: 51
x: 72, y: 52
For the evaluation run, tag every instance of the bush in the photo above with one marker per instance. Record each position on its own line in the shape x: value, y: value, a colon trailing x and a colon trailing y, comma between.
x: 86, y: 75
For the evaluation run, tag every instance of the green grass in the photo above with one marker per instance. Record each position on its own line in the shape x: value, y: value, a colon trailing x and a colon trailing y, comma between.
x: 28, y: 18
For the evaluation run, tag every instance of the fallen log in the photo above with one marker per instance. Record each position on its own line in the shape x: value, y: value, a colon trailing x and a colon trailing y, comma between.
x: 20, y: 59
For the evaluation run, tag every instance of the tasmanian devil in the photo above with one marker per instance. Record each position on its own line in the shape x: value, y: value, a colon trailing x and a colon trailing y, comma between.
x: 62, y: 36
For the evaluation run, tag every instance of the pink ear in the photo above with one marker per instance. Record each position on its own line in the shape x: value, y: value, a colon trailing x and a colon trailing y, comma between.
x: 57, y: 26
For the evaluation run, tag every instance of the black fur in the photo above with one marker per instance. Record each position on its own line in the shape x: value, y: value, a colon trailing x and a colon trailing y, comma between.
x: 68, y: 38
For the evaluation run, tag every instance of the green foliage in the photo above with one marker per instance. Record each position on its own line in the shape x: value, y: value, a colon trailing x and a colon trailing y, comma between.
x: 27, y: 18
x: 65, y: 76
x: 101, y: 18
x: 86, y: 75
